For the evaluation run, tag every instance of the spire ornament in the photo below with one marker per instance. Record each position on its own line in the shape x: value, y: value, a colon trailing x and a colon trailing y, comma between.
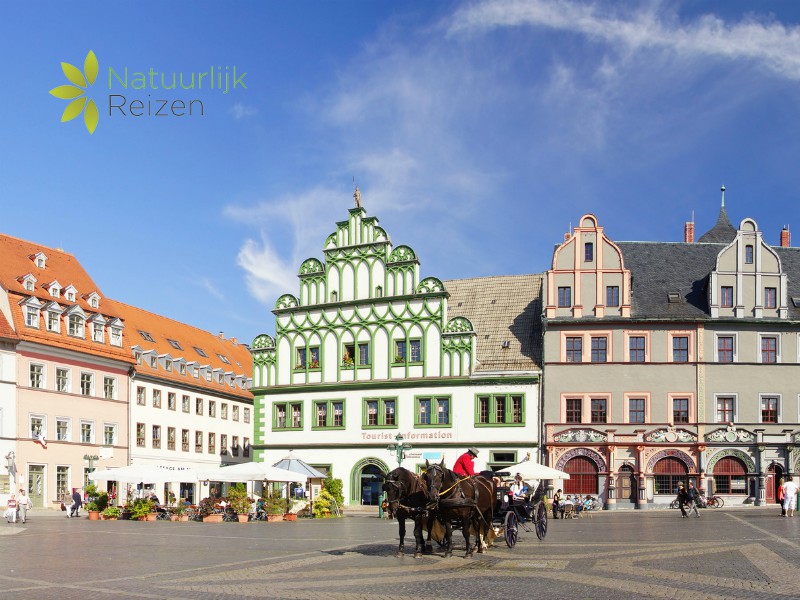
x: 357, y: 197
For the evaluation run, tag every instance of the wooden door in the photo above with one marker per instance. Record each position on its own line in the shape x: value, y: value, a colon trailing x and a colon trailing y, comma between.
x: 36, y: 485
x: 626, y: 484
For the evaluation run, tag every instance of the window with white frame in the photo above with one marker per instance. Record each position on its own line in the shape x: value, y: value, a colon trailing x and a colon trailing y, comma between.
x: 36, y: 375
x: 141, y: 396
x: 32, y: 316
x: 29, y: 284
x: 770, y: 296
x: 172, y: 399
x: 246, y: 415
x: 156, y: 398
x: 726, y: 409
x: 770, y: 409
x: 53, y: 321
x: 98, y: 332
x: 116, y: 336
x: 63, y: 429
x: 680, y: 348
x: 87, y: 384
x: 62, y: 481
x: 198, y: 441
x: 235, y: 410
x: 141, y: 431
x: 223, y: 410
x: 110, y: 434
x: 726, y: 348
x: 110, y: 388
x: 62, y: 379
x: 637, y: 348
x: 75, y: 326
x: 37, y: 426
x: 769, y: 349
x: 185, y: 403
x: 156, y: 436
x: 87, y: 432
x: 212, y: 408
x: 170, y: 438
x: 55, y: 291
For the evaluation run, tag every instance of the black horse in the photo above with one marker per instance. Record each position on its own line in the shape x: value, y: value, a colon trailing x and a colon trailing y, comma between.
x: 406, y: 498
x: 468, y: 500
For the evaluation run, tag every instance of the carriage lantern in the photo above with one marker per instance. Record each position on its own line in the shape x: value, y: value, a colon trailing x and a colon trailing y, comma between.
x: 399, y: 448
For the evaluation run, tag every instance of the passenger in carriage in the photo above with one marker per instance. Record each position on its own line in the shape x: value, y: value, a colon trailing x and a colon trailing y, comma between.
x: 519, y: 488
x: 465, y: 464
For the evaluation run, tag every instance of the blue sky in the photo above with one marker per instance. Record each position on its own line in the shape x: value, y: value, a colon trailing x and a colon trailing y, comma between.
x: 477, y: 132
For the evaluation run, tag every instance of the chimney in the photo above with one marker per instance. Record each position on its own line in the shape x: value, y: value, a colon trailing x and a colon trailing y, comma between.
x: 786, y: 238
x: 688, y: 231
x: 234, y: 341
x: 222, y: 335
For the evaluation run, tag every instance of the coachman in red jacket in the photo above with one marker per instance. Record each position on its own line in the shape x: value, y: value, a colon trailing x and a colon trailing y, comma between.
x: 465, y: 465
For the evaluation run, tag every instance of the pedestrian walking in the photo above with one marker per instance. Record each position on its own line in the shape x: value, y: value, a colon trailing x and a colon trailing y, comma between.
x: 694, y: 498
x: 683, y: 498
x: 11, y: 509
x: 790, y: 496
x: 66, y: 503
x: 24, y: 504
x: 782, y: 496
x: 77, y: 502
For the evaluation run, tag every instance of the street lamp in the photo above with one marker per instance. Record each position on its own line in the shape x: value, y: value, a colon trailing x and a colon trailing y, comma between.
x: 91, y: 458
x: 399, y: 448
x: 10, y: 460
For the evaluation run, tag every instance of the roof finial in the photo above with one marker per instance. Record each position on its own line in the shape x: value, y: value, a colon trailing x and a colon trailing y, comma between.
x: 357, y: 197
x: 722, y: 189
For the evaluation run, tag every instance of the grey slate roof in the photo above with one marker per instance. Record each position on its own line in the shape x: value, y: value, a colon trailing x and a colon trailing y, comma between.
x: 503, y: 308
x: 658, y: 268
x: 722, y: 232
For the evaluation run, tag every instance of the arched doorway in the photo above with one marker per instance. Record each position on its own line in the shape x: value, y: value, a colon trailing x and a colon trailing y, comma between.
x: 626, y: 485
x: 366, y: 481
x: 583, y: 476
x: 668, y: 473
x: 771, y: 483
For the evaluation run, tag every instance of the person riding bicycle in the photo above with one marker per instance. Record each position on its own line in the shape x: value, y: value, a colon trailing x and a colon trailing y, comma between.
x: 465, y: 464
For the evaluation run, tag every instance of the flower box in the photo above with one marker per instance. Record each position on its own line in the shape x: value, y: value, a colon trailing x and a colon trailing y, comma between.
x: 213, y: 518
x: 274, y: 517
x: 290, y: 517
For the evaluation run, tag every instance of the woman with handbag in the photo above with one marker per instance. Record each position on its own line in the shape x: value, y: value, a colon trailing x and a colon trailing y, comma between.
x: 11, y: 509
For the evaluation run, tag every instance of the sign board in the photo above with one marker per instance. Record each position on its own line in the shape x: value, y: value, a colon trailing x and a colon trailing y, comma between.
x: 437, y: 456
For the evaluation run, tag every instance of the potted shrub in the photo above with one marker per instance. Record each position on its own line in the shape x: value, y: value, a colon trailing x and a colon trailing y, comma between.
x: 111, y: 513
x: 141, y: 508
x: 97, y: 502
x: 240, y: 503
x: 206, y: 510
x: 179, y: 513
x: 276, y: 508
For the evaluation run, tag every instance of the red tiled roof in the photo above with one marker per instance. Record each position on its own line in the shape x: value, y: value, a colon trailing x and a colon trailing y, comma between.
x: 162, y: 330
x: 6, y: 331
x: 17, y: 261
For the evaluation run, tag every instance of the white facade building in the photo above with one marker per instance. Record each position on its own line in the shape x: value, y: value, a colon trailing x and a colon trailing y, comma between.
x: 368, y: 351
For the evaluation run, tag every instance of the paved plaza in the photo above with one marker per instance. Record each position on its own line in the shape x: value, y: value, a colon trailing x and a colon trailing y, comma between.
x: 728, y: 553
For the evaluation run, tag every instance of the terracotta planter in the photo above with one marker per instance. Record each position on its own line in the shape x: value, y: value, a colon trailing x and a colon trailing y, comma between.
x: 105, y: 518
x: 290, y: 517
x: 243, y: 518
x: 174, y: 517
x: 183, y: 518
x: 274, y: 517
x: 151, y: 517
x: 94, y: 515
x: 215, y: 518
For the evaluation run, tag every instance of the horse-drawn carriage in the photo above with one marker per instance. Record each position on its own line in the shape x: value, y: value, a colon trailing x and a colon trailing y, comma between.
x: 440, y: 498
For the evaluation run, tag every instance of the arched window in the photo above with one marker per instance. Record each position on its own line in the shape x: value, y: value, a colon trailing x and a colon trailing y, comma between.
x: 669, y: 472
x: 583, y: 476
x: 730, y: 476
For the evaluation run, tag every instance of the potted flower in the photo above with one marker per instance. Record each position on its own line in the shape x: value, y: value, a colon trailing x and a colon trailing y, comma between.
x: 97, y: 504
x: 111, y: 513
x: 347, y: 360
x: 240, y: 503
x: 289, y: 515
x: 206, y: 510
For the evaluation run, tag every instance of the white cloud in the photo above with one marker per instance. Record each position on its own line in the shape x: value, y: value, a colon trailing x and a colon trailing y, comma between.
x: 206, y: 284
x: 770, y: 44
x: 242, y: 111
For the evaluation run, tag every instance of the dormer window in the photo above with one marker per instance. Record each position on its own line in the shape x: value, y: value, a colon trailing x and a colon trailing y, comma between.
x: 154, y: 362
x: 168, y: 364
x: 55, y: 290
x: 182, y: 369
x: 219, y: 378
x: 76, y: 326
x: 40, y: 260
x: 53, y: 321
x: 138, y: 357
x: 98, y: 332
x: 116, y: 336
x: 93, y: 302
x: 32, y: 316
x: 29, y: 282
x: 208, y: 375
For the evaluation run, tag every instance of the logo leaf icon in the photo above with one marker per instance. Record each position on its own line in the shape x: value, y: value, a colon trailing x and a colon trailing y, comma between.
x: 91, y: 67
x: 73, y: 109
x: 91, y: 116
x: 66, y: 92
x: 74, y: 74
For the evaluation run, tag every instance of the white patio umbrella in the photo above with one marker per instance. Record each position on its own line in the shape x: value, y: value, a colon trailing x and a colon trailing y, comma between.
x: 252, y: 471
x: 144, y: 474
x: 531, y: 470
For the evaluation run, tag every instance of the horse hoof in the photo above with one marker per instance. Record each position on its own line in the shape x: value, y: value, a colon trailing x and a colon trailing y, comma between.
x: 417, y: 554
x: 448, y: 554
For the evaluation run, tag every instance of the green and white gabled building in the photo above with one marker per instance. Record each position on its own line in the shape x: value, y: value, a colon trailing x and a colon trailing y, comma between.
x: 369, y: 351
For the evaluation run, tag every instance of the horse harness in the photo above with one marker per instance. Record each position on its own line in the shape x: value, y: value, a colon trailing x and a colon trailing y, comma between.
x: 400, y: 486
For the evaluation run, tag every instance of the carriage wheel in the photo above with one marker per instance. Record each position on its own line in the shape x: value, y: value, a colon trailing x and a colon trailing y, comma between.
x: 717, y: 502
x: 673, y: 504
x: 511, y: 529
x: 541, y: 520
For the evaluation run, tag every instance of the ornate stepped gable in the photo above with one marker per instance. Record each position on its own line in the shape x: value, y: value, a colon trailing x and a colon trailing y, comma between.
x: 363, y: 313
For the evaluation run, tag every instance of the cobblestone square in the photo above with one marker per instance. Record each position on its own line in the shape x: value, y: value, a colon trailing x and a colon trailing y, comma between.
x: 744, y: 553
